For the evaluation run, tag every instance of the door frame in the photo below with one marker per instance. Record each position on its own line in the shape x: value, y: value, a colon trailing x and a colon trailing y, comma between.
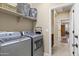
x: 50, y: 18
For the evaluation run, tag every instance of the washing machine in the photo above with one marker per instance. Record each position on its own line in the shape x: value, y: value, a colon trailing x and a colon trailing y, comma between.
x: 13, y: 44
x: 37, y: 48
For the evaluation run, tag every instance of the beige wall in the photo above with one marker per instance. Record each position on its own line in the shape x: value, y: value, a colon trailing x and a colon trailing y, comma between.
x: 10, y: 23
x: 42, y: 21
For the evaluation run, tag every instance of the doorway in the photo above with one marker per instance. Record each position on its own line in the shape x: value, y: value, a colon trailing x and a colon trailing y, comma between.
x: 65, y: 32
x: 60, y: 30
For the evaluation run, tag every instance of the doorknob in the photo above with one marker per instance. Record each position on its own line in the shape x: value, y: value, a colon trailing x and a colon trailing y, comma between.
x: 75, y: 45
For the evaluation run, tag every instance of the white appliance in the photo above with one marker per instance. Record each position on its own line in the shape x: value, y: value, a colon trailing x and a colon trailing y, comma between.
x: 13, y: 44
x: 37, y: 48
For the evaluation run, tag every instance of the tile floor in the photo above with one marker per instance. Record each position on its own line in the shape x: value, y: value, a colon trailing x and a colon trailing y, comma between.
x: 61, y: 50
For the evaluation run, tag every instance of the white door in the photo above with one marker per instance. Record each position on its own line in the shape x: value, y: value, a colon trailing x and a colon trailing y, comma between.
x: 71, y: 28
x: 74, y: 30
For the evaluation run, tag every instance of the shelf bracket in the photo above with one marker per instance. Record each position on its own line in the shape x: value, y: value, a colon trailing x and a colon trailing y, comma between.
x: 19, y: 18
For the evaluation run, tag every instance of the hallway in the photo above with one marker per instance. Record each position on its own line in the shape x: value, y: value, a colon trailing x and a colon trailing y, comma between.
x: 61, y: 50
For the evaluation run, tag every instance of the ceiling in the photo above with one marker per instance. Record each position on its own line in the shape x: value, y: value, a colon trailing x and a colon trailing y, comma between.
x: 63, y: 9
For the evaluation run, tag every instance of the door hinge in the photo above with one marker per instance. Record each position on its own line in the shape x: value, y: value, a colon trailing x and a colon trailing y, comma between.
x: 73, y: 53
x: 73, y: 31
x: 73, y: 11
x: 75, y: 45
